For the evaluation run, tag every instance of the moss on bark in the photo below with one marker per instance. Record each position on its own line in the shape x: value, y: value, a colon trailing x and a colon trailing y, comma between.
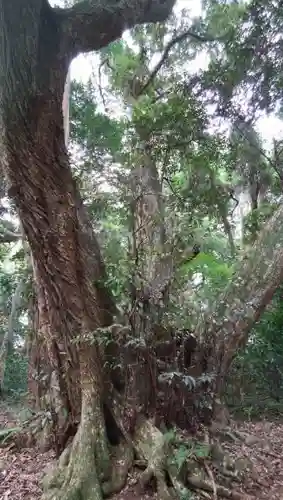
x: 89, y: 468
x: 151, y: 446
x: 78, y: 471
x: 85, y: 474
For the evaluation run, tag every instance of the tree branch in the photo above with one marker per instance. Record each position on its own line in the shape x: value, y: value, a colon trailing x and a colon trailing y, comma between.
x: 7, y: 236
x: 183, y: 36
x: 225, y: 329
x: 92, y: 24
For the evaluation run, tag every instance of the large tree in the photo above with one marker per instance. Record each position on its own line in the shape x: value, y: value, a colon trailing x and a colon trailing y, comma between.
x: 72, y: 301
x: 38, y: 43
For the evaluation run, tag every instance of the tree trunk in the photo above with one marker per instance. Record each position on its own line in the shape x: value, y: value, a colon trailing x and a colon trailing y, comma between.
x: 148, y: 247
x: 151, y: 274
x: 8, y: 340
x: 71, y: 307
x: 38, y: 44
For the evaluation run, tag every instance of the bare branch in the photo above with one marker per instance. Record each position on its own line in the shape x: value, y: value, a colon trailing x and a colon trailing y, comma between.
x: 178, y: 39
x: 7, y: 236
x: 105, y: 62
x: 92, y: 24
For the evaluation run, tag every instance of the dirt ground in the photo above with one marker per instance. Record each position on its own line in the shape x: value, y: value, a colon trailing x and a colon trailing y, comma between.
x: 21, y: 472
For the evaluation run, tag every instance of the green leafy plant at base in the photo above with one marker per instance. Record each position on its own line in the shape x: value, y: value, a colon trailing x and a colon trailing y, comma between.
x: 5, y: 434
x: 187, y: 450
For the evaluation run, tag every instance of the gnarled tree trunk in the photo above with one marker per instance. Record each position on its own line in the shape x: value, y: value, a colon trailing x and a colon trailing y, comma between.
x: 37, y: 46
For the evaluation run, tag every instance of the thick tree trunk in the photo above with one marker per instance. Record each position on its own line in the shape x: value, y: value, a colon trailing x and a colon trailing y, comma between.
x: 35, y: 51
x: 36, y: 48
x: 72, y: 303
x: 70, y: 306
x: 149, y: 284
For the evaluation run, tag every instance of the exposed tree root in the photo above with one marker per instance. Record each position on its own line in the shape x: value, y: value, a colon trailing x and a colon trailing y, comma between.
x: 198, y: 483
x: 80, y: 476
x: 150, y: 445
x: 122, y: 461
x: 225, y: 434
x: 86, y: 471
x: 211, y: 477
x: 76, y: 477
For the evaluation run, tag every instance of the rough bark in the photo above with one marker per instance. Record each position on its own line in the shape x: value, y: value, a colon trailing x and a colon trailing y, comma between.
x: 86, y: 21
x: 37, y: 45
x: 151, y: 275
x: 36, y: 356
x: 148, y: 247
x: 155, y: 258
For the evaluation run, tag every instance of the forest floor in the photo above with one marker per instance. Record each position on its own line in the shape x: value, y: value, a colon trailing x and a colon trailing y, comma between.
x: 21, y: 471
